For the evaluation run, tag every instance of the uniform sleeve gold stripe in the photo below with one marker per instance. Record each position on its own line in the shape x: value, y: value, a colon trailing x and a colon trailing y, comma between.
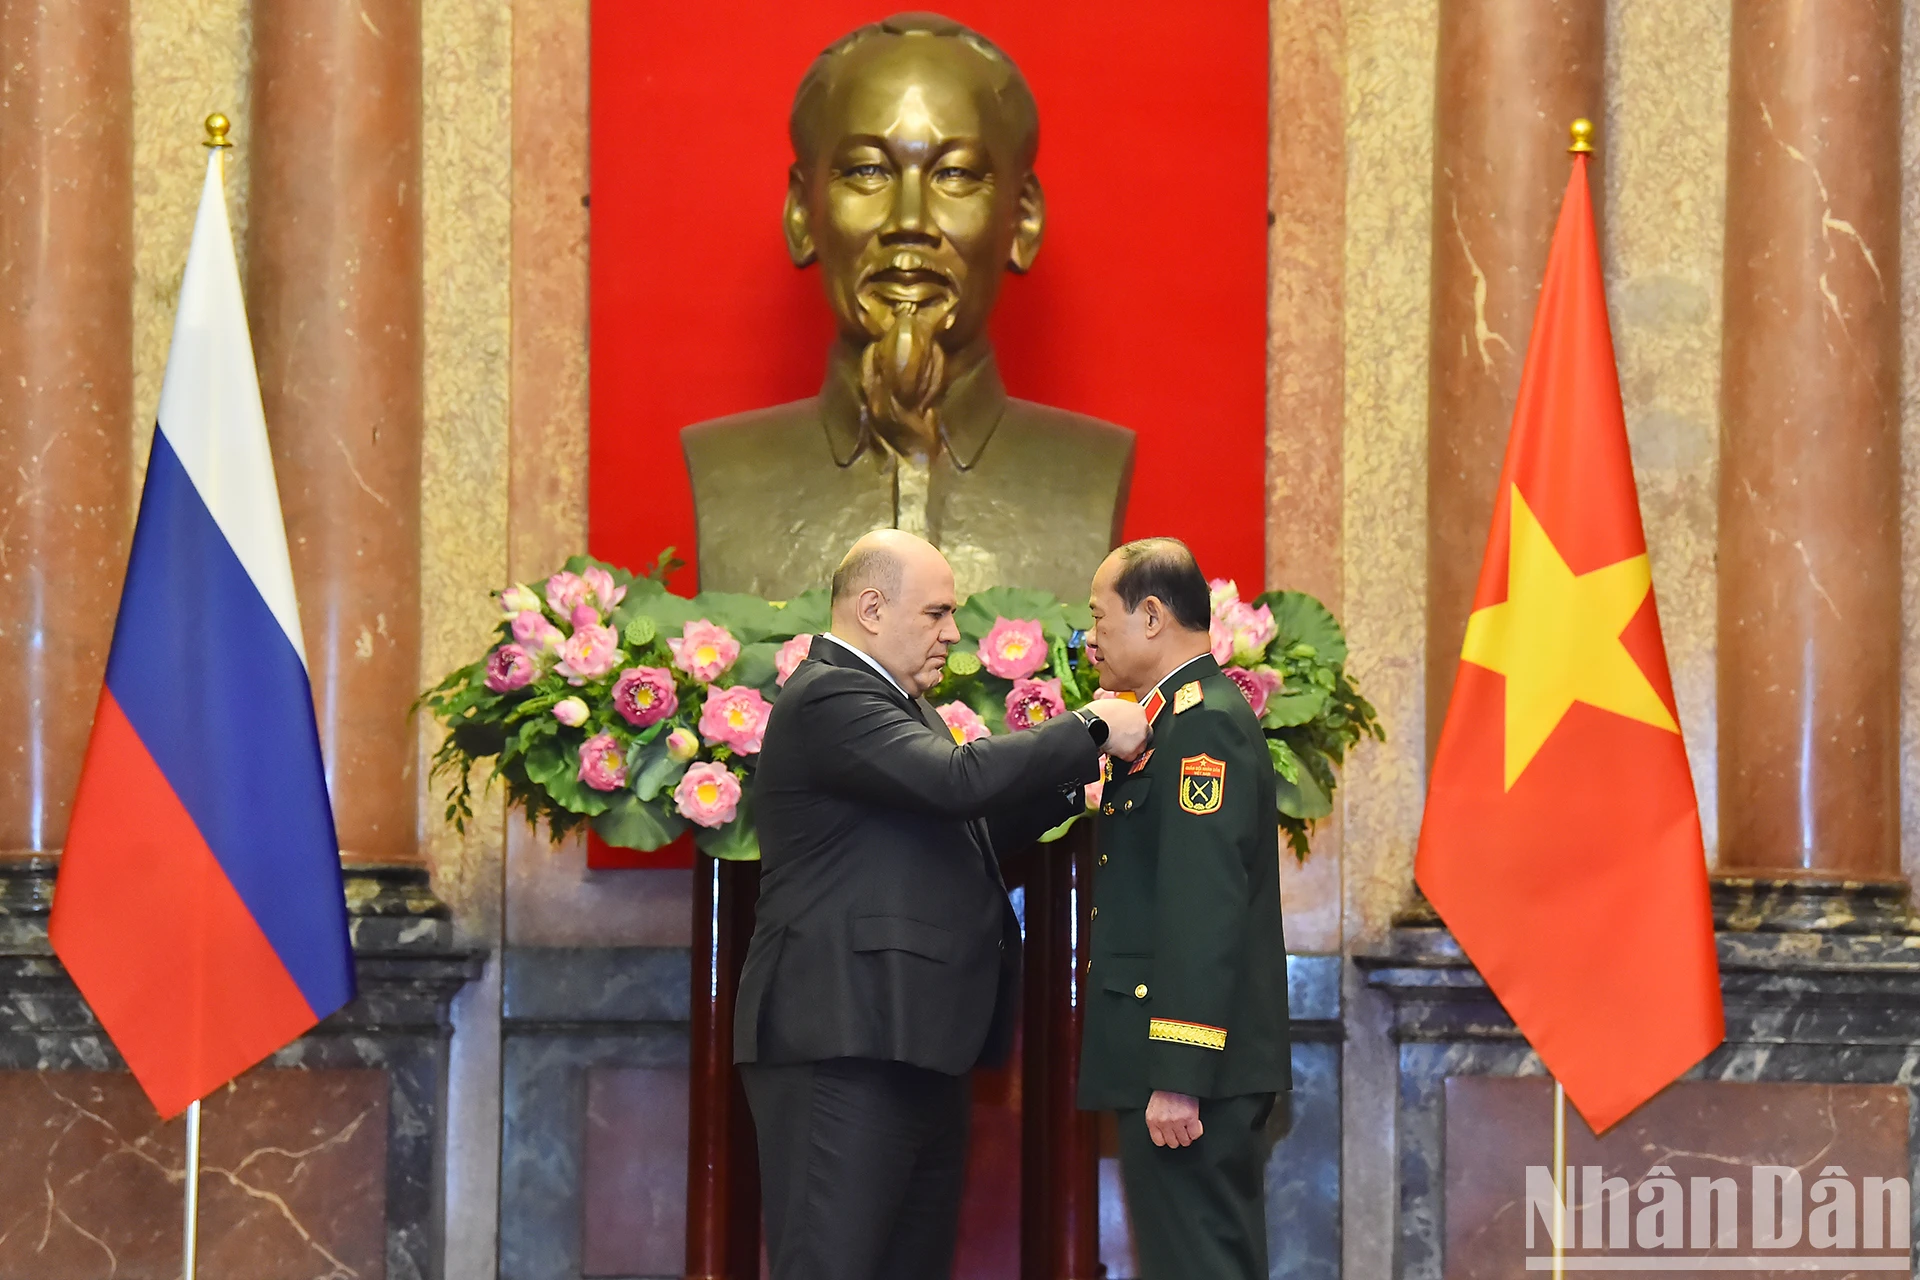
x: 1197, y: 1034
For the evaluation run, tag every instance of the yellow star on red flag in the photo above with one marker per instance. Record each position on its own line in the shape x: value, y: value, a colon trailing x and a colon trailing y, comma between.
x: 1556, y: 638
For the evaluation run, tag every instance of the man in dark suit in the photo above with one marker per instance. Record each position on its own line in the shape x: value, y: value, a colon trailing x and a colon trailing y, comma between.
x: 1185, y: 1036
x: 885, y: 958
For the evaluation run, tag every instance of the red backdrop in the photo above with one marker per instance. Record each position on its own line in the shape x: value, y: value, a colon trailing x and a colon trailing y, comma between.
x: 1147, y: 306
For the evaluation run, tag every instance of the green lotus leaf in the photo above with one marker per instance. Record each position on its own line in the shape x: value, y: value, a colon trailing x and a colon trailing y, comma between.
x: 1300, y: 619
x: 630, y: 823
x: 1286, y: 709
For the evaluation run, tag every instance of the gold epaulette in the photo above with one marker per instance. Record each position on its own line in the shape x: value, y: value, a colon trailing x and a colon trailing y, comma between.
x: 1189, y: 696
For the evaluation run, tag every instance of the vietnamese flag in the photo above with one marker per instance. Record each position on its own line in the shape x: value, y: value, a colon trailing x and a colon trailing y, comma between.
x: 1561, y: 842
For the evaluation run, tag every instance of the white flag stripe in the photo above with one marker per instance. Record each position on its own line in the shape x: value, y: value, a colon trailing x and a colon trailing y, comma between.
x: 211, y: 414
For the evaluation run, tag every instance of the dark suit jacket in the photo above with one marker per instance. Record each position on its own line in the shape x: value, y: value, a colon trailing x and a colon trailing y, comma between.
x: 883, y: 928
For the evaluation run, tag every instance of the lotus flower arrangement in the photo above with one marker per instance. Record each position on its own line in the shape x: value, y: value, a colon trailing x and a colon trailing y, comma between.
x: 608, y: 700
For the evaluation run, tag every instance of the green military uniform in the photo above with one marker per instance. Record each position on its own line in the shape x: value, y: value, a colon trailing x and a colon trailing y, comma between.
x: 1188, y: 984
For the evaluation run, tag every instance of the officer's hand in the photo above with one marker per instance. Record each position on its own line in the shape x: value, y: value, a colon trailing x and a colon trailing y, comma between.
x: 1173, y: 1119
x: 1126, y: 726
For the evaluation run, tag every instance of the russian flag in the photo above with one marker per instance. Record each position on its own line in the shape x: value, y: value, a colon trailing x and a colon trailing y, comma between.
x: 199, y: 906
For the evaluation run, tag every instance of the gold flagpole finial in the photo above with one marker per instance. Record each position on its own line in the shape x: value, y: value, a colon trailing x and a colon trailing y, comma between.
x: 1582, y: 131
x: 217, y: 126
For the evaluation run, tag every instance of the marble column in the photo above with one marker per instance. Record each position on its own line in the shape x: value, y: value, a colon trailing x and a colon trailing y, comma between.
x: 1809, y: 539
x: 1511, y: 76
x: 66, y: 390
x: 334, y: 284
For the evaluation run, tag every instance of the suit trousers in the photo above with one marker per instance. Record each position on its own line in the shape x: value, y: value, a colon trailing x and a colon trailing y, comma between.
x: 1199, y: 1211
x: 861, y: 1167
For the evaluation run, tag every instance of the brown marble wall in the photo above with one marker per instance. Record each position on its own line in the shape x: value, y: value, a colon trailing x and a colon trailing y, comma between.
x: 1809, y: 531
x: 1705, y: 1130
x: 1511, y: 77
x: 552, y: 899
x: 335, y: 298
x: 292, y: 1180
x: 635, y: 1184
x: 66, y: 391
x: 1305, y: 383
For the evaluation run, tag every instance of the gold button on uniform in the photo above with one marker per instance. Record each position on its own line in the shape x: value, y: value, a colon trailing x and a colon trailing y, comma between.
x: 1140, y: 992
x: 1096, y: 913
x: 1103, y: 859
x: 1127, y: 805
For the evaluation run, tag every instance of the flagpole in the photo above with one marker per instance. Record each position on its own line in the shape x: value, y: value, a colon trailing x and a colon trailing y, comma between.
x: 192, y: 1232
x: 216, y: 141
x: 1580, y: 143
x: 1559, y: 1179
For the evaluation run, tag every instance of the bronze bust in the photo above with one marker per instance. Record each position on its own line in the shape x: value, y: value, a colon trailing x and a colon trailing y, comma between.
x: 913, y: 188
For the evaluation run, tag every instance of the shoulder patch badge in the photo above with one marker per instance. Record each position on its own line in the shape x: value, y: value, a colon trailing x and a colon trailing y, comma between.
x: 1189, y: 696
x: 1203, y: 782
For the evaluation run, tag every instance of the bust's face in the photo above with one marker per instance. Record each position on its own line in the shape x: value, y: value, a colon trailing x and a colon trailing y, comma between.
x: 914, y: 196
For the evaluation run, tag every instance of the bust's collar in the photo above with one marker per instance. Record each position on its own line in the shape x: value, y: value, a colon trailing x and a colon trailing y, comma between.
x: 967, y: 415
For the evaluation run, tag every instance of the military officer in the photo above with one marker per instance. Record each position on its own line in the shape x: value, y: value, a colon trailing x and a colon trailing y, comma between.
x: 1186, y: 1021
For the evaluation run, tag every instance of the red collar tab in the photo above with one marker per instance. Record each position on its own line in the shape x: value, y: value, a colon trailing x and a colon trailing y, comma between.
x: 1155, y: 701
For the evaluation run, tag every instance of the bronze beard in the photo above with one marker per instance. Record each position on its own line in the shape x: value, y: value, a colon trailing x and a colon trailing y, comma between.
x: 903, y: 368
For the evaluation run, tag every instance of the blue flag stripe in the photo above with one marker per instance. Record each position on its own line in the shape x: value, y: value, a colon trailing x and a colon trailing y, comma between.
x: 210, y: 682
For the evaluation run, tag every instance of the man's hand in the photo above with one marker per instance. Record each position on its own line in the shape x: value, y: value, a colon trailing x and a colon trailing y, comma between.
x: 1173, y: 1119
x: 1126, y: 726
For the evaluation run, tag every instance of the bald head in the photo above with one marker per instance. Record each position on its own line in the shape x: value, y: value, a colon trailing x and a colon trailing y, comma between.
x: 893, y: 600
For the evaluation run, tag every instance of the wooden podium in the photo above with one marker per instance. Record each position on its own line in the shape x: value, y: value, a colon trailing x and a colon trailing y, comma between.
x: 1056, y: 1203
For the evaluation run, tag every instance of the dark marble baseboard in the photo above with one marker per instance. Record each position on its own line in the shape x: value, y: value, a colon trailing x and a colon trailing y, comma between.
x: 580, y: 1024
x: 395, y: 1033
x: 1821, y: 987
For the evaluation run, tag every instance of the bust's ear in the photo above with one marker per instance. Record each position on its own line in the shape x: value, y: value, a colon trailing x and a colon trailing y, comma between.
x: 1029, y: 225
x: 793, y: 220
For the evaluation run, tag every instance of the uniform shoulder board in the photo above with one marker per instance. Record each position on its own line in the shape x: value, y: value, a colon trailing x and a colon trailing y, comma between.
x: 1189, y: 696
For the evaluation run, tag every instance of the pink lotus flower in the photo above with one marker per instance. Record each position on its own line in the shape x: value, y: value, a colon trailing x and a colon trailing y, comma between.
x: 517, y: 599
x: 703, y: 650
x: 1033, y: 702
x: 1222, y: 593
x: 601, y: 586
x: 1253, y: 630
x: 964, y: 723
x: 603, y: 763
x: 510, y: 667
x: 566, y: 592
x: 791, y: 655
x: 708, y: 794
x: 584, y: 615
x: 1094, y: 791
x: 736, y: 718
x: 588, y: 654
x: 542, y: 638
x: 644, y: 695
x: 571, y: 712
x: 1257, y: 685
x: 682, y: 746
x: 1220, y: 636
x: 1013, y: 648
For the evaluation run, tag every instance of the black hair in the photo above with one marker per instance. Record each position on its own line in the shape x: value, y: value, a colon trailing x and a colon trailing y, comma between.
x: 1164, y: 568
